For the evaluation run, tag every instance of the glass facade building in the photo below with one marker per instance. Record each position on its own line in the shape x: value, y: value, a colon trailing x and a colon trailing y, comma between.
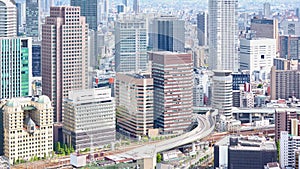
x: 36, y: 60
x: 15, y: 69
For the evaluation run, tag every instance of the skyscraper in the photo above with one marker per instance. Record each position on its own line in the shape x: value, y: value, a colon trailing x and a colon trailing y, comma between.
x: 267, y: 10
x: 33, y: 18
x: 136, y: 6
x: 36, y: 59
x: 15, y: 69
x: 202, y: 28
x: 167, y: 33
x: 8, y: 18
x: 173, y: 90
x: 92, y: 11
x: 223, y: 35
x: 64, y: 55
x: 131, y: 44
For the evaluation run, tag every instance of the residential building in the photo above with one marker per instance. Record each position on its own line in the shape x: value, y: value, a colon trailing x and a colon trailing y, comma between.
x: 167, y: 33
x: 15, y: 69
x: 8, y: 18
x: 223, y: 35
x: 289, y: 147
x: 33, y: 19
x: 283, y: 118
x: 131, y: 44
x: 202, y: 28
x: 285, y: 64
x: 173, y: 98
x: 64, y: 55
x: 222, y: 92
x: 285, y: 84
x: 257, y: 55
x: 28, y: 128
x: 134, y: 102
x: 89, y: 118
x: 289, y: 47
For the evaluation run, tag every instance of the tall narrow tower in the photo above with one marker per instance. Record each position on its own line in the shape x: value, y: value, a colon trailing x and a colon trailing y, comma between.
x: 223, y: 35
x: 64, y: 55
x: 33, y: 19
x: 136, y: 6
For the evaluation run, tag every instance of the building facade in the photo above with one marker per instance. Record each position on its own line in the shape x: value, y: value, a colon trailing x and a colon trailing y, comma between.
x: 36, y: 59
x: 131, y: 44
x: 223, y: 35
x: 283, y: 118
x: 8, y: 18
x: 28, y: 128
x: 89, y: 118
x: 64, y: 55
x: 290, y: 47
x: 257, y: 55
x: 285, y: 84
x: 289, y: 145
x: 167, y: 33
x: 202, y: 28
x: 33, y: 18
x: 134, y: 101
x: 173, y: 98
x: 15, y: 69
x: 222, y: 92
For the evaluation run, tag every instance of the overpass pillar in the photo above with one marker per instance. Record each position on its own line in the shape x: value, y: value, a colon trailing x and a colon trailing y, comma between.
x: 193, y: 147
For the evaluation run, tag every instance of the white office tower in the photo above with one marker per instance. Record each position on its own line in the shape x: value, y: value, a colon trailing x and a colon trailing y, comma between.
x: 8, y: 18
x: 222, y: 93
x: 223, y: 35
x: 257, y: 56
x: 89, y: 118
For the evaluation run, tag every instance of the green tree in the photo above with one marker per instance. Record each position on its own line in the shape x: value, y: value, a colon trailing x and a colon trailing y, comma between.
x: 45, y: 156
x: 158, y: 158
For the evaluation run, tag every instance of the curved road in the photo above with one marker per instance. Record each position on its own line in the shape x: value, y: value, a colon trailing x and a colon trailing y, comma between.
x: 205, y: 126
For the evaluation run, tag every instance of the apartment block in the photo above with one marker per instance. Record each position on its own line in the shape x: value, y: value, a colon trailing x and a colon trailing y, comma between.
x: 8, y: 18
x: 134, y: 101
x: 283, y: 121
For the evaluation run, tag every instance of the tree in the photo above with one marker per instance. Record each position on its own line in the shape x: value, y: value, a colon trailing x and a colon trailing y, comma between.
x: 45, y: 156
x: 158, y: 158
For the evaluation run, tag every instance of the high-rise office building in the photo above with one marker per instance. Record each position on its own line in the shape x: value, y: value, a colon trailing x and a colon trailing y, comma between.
x: 285, y: 84
x: 15, y: 69
x: 89, y: 118
x: 131, y: 44
x: 93, y: 11
x: 267, y: 10
x: 290, y: 27
x: 28, y: 128
x: 64, y: 55
x: 257, y: 55
x: 265, y: 28
x: 19, y: 16
x: 8, y: 18
x: 134, y: 101
x: 222, y: 92
x: 36, y: 59
x: 283, y: 118
x: 290, y: 47
x: 136, y: 6
x: 167, y: 33
x: 223, y: 35
x: 173, y: 90
x: 202, y: 28
x: 33, y: 18
x: 125, y: 2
